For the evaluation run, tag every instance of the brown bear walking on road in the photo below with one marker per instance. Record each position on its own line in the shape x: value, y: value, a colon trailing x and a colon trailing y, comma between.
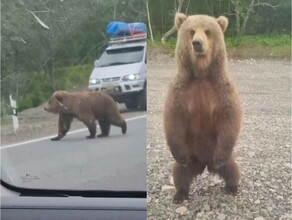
x: 202, y: 115
x: 86, y: 107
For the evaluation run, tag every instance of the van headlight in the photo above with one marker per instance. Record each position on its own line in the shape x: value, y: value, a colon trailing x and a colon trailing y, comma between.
x: 131, y: 77
x: 94, y: 81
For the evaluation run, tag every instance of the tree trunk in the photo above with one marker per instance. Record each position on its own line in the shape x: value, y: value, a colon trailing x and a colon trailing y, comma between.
x: 149, y: 21
x: 237, y: 16
x: 246, y: 17
x: 115, y: 10
x: 173, y: 29
x: 187, y: 8
x: 115, y: 5
x: 49, y: 69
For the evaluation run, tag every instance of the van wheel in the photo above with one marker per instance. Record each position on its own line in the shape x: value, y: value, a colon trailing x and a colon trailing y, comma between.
x: 142, y: 99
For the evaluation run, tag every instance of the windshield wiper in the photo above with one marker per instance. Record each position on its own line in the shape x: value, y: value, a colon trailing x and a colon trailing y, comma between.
x: 67, y: 192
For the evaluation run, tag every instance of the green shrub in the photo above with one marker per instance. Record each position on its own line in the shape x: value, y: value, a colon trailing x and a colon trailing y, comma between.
x: 41, y: 87
x: 259, y: 40
x: 259, y: 46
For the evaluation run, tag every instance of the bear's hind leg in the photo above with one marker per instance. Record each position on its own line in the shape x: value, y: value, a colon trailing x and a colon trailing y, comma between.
x: 183, y: 176
x: 230, y: 172
x: 117, y: 120
x: 104, y: 127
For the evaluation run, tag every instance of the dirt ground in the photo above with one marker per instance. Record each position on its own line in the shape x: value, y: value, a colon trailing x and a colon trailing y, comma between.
x: 263, y: 150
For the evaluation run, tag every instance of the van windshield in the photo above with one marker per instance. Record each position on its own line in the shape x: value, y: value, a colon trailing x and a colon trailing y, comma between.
x: 121, y: 56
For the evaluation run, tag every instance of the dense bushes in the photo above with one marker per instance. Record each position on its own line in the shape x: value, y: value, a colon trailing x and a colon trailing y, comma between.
x: 40, y: 88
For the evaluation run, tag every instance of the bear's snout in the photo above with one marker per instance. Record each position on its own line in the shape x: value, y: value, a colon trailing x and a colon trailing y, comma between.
x: 198, y: 46
x: 47, y: 109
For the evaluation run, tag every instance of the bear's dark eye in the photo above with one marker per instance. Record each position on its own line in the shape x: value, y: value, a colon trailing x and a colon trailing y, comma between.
x: 207, y: 32
x: 193, y: 32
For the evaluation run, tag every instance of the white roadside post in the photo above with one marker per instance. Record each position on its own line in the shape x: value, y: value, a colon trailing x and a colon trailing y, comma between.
x: 14, y: 113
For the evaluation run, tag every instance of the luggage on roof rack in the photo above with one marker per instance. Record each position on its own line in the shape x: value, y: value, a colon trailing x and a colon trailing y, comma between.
x: 122, y: 29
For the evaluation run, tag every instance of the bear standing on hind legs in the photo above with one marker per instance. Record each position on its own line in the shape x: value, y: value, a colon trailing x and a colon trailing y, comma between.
x: 202, y: 115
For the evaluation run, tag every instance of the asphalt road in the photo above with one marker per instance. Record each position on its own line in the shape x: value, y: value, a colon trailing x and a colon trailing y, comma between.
x: 117, y: 162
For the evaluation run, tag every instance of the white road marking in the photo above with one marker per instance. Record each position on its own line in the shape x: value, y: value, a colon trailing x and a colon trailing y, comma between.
x: 71, y: 132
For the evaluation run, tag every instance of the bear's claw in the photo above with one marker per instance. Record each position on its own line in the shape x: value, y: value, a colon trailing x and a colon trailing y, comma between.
x: 102, y: 135
x: 55, y: 138
x: 184, y: 161
x: 179, y: 197
x: 218, y: 164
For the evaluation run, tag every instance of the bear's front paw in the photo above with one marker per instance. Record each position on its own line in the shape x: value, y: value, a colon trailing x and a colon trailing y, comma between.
x: 90, y: 136
x: 179, y: 197
x: 219, y: 159
x: 184, y: 161
x: 55, y: 138
x: 102, y: 135
x: 217, y: 163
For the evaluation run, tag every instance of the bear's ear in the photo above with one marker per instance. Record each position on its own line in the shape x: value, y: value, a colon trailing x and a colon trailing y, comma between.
x: 179, y: 19
x: 59, y: 97
x: 223, y: 22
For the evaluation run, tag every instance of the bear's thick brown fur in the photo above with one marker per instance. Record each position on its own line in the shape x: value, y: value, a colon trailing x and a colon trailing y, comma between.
x: 202, y: 115
x: 86, y: 107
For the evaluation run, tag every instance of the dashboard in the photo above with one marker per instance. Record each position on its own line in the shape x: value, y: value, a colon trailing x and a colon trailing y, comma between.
x: 28, y: 204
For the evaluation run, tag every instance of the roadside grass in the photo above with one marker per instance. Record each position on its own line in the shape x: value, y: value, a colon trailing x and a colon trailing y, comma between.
x: 41, y: 87
x: 73, y: 78
x: 275, y: 46
x: 257, y: 47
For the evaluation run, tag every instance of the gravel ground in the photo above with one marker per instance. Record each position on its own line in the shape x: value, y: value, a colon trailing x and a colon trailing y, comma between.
x: 37, y: 123
x: 263, y: 150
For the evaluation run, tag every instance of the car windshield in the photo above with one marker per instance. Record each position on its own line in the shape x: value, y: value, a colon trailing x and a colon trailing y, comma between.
x: 55, y: 133
x: 121, y: 56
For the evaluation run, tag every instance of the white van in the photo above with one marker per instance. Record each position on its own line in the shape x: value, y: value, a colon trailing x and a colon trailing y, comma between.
x: 121, y: 71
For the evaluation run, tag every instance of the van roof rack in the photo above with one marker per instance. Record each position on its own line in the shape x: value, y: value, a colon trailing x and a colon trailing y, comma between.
x: 126, y: 39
